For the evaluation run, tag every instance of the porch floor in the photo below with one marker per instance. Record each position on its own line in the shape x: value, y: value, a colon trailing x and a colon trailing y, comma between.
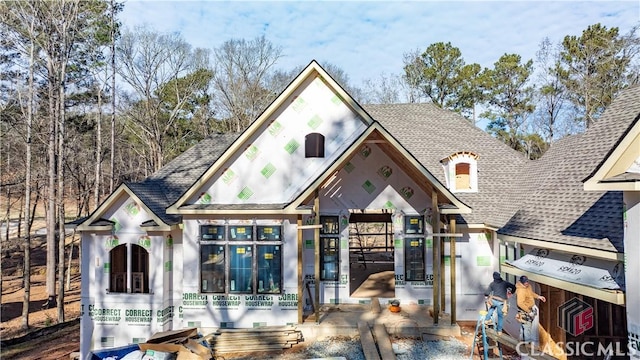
x: 343, y: 319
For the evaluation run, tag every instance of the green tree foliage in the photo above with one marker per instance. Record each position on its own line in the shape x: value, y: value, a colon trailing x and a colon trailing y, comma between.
x: 510, y: 98
x: 594, y: 67
x: 191, y: 112
x: 441, y: 76
x: 533, y: 145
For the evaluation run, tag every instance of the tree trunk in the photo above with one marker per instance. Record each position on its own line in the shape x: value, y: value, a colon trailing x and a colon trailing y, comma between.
x: 8, y: 214
x: 96, y: 190
x: 27, y: 198
x: 51, y: 204
x: 113, y: 97
x: 73, y: 240
x: 60, y: 197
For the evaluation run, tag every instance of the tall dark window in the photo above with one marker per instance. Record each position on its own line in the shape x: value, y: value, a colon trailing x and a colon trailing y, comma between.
x: 212, y: 271
x: 329, y: 248
x: 118, y: 269
x: 269, y: 269
x: 414, y: 263
x: 240, y: 268
x: 414, y: 249
x: 139, y: 269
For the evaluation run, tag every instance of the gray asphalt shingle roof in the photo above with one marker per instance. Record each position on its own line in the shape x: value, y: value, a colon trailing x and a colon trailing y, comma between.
x: 542, y: 199
x: 164, y: 187
x: 432, y: 134
x: 555, y: 207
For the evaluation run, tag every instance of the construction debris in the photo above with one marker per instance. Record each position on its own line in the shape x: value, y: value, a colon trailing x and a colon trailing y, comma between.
x: 266, y: 338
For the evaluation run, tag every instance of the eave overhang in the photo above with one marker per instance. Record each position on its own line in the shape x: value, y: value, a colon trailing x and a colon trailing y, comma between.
x: 612, y: 173
x: 375, y: 133
x: 613, y: 296
x: 244, y: 209
x: 574, y: 249
x: 95, y: 223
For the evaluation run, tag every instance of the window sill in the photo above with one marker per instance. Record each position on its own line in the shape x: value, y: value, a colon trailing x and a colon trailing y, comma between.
x: 107, y: 292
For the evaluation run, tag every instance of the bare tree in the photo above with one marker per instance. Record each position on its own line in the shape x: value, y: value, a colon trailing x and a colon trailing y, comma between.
x: 57, y: 35
x: 386, y: 89
x: 27, y: 187
x: 22, y: 41
x: 552, y: 98
x: 239, y: 82
x: 148, y: 61
x: 112, y: 46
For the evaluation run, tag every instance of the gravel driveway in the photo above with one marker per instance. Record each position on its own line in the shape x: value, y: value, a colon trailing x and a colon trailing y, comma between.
x: 351, y: 349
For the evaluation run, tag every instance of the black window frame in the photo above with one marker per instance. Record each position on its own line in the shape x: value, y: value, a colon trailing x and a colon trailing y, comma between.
x: 329, y: 248
x: 124, y: 279
x: 415, y: 264
x: 239, y: 240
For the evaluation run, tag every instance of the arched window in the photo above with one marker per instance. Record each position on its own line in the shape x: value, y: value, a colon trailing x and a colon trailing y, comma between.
x: 139, y: 269
x: 138, y: 279
x: 118, y: 261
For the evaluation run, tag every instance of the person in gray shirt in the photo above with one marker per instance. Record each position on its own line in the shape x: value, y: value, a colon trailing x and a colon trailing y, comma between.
x: 496, y: 295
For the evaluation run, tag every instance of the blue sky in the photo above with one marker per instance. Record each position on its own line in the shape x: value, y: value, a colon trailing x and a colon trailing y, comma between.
x: 366, y: 39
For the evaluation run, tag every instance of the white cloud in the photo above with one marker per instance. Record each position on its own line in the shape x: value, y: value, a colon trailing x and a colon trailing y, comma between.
x: 366, y: 39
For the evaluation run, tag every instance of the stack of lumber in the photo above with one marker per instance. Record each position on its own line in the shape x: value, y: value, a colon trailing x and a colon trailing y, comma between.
x: 266, y: 338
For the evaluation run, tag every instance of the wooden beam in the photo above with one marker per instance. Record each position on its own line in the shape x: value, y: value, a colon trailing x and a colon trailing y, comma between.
x: 443, y: 275
x: 445, y: 235
x: 305, y: 227
x: 316, y: 265
x: 519, y: 346
x: 384, y: 343
x: 435, y: 223
x: 300, y: 271
x: 369, y: 347
x: 452, y: 253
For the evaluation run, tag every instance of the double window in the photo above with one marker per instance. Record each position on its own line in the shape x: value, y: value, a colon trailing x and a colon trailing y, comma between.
x: 329, y: 248
x: 241, y: 259
x: 135, y: 280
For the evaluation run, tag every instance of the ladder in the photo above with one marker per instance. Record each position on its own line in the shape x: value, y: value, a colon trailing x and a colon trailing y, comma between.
x: 484, y: 343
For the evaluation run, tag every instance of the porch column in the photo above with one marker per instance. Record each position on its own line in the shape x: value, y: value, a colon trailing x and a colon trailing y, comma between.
x: 435, y: 223
x: 316, y: 241
x: 443, y: 273
x: 300, y: 275
x: 452, y: 264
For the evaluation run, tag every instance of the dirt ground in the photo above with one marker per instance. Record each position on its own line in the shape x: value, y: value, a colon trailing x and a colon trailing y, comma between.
x: 45, y: 339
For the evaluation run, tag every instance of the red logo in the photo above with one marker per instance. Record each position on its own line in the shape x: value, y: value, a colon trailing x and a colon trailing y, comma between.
x: 575, y: 316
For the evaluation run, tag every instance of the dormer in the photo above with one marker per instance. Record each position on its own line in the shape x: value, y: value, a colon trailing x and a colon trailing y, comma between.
x: 461, y: 171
